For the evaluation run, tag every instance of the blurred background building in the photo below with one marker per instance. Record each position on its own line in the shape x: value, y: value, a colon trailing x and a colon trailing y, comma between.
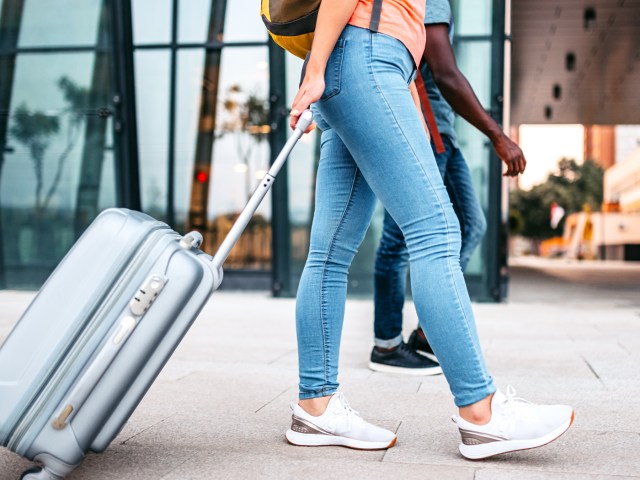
x: 575, y: 83
x: 176, y: 108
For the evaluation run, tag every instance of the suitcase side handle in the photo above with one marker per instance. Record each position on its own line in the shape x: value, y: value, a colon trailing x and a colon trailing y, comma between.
x: 265, y: 185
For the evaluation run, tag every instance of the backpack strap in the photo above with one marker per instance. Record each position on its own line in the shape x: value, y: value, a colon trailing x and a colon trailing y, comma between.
x: 375, y: 15
x: 428, y: 113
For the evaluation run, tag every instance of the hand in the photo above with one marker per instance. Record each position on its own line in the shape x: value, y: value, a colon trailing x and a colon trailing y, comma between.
x: 510, y: 153
x: 310, y: 91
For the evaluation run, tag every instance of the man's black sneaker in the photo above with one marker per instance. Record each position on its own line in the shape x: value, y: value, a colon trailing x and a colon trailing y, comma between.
x: 420, y: 345
x: 403, y: 360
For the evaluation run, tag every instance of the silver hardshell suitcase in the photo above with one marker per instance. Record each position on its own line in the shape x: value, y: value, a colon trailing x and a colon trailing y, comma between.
x: 101, y: 328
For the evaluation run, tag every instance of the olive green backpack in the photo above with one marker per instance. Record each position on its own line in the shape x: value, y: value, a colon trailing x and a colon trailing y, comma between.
x: 291, y: 22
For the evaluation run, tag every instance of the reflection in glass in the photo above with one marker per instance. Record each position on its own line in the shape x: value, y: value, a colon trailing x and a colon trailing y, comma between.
x: 152, y: 109
x: 207, y: 118
x: 189, y: 84
x: 193, y: 20
x: 240, y: 156
x: 473, y: 17
x: 474, y: 60
x: 152, y: 20
x: 76, y: 23
x: 54, y: 126
x: 243, y: 23
x: 10, y: 20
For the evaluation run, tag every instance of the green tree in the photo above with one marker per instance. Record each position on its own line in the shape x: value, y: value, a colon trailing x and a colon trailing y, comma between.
x: 572, y: 187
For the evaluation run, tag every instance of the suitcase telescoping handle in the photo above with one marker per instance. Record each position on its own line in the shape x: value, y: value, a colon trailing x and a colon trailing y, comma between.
x: 254, y: 202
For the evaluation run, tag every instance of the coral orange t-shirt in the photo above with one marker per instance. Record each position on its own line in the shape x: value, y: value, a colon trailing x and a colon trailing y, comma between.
x: 401, y: 19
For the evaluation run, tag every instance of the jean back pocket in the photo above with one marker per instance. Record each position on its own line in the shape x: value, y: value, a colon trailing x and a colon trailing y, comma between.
x: 333, y: 72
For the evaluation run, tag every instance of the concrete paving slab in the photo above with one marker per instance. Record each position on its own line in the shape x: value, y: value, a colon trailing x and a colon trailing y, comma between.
x: 249, y: 465
x: 495, y: 474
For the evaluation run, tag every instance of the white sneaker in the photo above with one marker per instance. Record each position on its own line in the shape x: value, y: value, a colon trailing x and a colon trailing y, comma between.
x: 338, y: 425
x: 515, y: 424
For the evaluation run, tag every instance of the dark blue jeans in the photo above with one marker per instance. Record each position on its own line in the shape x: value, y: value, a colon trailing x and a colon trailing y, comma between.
x: 392, y: 258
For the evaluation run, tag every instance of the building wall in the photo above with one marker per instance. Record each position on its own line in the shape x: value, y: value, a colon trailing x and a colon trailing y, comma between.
x: 600, y: 144
x: 586, y: 234
x: 622, y: 183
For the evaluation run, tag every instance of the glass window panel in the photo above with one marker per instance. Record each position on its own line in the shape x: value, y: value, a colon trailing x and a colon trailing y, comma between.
x: 240, y: 156
x: 193, y: 20
x: 247, y: 70
x: 152, y: 109
x: 151, y: 21
x: 52, y: 130
x: 240, y: 25
x: 474, y: 60
x: 189, y: 86
x: 107, y: 197
x: 243, y: 22
x: 77, y: 26
x: 473, y: 17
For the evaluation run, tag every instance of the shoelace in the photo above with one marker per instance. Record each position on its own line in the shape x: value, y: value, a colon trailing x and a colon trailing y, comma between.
x: 514, y: 407
x: 351, y: 414
x: 512, y: 402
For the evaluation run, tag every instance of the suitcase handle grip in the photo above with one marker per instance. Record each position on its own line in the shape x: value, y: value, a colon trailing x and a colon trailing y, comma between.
x: 265, y: 185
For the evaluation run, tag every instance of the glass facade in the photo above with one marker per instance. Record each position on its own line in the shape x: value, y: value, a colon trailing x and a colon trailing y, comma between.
x: 176, y: 108
x: 203, y: 151
x: 479, y: 46
x: 56, y: 131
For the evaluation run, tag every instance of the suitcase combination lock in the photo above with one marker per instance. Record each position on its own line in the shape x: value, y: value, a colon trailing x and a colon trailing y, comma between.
x: 146, y: 294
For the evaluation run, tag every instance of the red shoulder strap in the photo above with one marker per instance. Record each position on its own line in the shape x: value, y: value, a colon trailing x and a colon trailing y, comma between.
x: 428, y: 113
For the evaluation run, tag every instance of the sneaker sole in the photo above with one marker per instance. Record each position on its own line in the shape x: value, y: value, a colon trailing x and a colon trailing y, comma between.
x: 316, y: 440
x: 478, y: 452
x: 379, y: 367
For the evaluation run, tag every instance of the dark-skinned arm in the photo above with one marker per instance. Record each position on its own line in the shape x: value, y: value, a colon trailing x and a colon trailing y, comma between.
x: 458, y: 93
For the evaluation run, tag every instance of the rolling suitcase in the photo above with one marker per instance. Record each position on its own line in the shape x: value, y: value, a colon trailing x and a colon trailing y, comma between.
x: 96, y: 336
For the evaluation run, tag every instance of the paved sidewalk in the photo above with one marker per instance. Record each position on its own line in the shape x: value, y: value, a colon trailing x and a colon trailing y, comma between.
x: 220, y: 408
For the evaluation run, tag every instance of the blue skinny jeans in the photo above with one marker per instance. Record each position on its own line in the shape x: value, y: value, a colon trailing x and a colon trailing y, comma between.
x: 373, y: 145
x: 392, y: 256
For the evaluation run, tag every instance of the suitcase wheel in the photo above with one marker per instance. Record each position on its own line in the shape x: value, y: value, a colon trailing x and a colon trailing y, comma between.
x: 38, y: 473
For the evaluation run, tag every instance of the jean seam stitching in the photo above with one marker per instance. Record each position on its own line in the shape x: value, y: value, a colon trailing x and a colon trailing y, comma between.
x: 455, y: 288
x: 324, y: 269
x: 337, y: 75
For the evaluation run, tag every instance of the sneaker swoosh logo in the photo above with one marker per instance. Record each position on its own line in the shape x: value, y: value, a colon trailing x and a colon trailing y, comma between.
x: 300, y: 425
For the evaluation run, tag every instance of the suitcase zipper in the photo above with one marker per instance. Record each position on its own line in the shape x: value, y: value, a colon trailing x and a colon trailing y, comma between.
x: 47, y: 387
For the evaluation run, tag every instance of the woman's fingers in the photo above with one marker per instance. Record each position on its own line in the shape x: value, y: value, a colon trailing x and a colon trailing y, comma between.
x: 300, y: 104
x: 295, y: 116
x: 310, y: 91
